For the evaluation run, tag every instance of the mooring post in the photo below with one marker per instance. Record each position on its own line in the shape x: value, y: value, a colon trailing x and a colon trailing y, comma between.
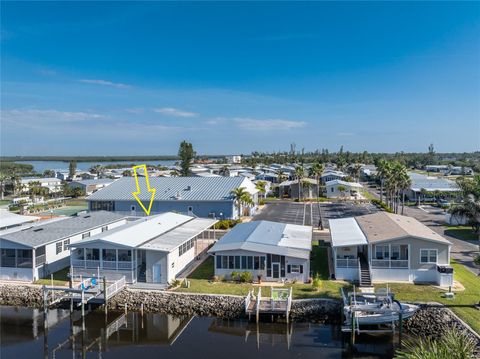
x: 105, y: 295
x: 70, y: 285
x: 352, y: 338
x: 400, y: 328
x: 141, y: 309
x: 51, y: 279
x: 83, y: 303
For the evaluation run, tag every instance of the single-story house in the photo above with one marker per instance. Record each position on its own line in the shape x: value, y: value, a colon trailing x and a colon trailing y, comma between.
x: 90, y: 186
x: 53, y: 184
x: 308, y: 188
x: 33, y: 252
x: 349, y: 189
x: 198, y: 196
x: 432, y: 185
x: 389, y: 247
x: 9, y: 219
x: 330, y: 175
x: 152, y: 249
x: 275, y: 251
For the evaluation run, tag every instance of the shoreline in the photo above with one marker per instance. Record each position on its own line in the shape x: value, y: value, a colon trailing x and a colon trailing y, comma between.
x: 432, y: 320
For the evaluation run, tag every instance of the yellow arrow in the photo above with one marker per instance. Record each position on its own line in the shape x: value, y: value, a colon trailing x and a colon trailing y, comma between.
x: 151, y: 190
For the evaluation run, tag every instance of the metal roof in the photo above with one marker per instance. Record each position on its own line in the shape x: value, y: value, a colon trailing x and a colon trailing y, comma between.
x: 343, y: 183
x: 39, y: 235
x: 268, y: 237
x: 430, y: 183
x: 8, y: 219
x: 89, y: 182
x: 345, y: 232
x: 162, y: 232
x: 175, y: 188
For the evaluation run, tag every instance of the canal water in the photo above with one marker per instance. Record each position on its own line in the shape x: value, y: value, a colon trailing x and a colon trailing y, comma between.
x: 23, y: 335
x: 41, y: 166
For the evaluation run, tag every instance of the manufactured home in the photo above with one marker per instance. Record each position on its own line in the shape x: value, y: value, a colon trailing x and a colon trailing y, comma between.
x: 35, y: 251
x: 386, y: 247
x: 274, y: 251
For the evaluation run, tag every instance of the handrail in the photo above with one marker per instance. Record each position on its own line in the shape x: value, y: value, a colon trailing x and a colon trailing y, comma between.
x: 359, y: 272
x: 248, y: 299
x: 259, y: 298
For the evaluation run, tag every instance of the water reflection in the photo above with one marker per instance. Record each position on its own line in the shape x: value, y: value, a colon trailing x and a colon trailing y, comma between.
x: 123, y: 335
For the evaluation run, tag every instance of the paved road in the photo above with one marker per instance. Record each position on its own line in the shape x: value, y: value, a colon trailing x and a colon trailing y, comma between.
x: 290, y: 212
x: 462, y: 251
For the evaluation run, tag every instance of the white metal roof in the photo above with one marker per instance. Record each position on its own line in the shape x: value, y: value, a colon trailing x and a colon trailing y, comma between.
x: 138, y: 232
x: 8, y: 219
x: 172, y: 239
x: 268, y: 237
x: 343, y: 183
x: 346, y: 232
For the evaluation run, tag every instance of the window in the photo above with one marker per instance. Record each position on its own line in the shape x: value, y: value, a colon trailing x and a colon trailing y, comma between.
x: 395, y: 252
x: 109, y: 255
x: 59, y: 247
x: 256, y: 262
x: 381, y: 252
x: 428, y: 256
x: 132, y: 208
x: 104, y: 228
x: 8, y: 258
x: 190, y: 208
x: 295, y: 268
x: 219, y: 262
x: 237, y: 262
x: 80, y: 254
x: 85, y: 235
x: 102, y: 206
x: 230, y: 262
x: 93, y: 254
x: 282, y: 266
x: 66, y: 242
x: 331, y: 189
x: 224, y: 262
x: 244, y: 262
x: 124, y: 255
x: 269, y: 265
x: 249, y: 262
x: 262, y: 263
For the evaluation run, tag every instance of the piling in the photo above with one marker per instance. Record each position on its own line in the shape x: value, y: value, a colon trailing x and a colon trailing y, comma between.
x: 352, y: 338
x: 105, y: 306
x: 70, y: 285
x: 400, y: 327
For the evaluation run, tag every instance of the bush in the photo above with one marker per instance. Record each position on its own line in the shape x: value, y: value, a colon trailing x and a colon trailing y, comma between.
x: 246, y: 277
x: 317, y: 283
x: 382, y: 205
x: 174, y: 283
x: 235, y: 276
x: 215, y: 278
x: 262, y: 202
x: 477, y: 260
x: 226, y: 223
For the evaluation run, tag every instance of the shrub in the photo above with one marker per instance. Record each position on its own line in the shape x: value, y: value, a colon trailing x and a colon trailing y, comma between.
x: 175, y: 283
x: 262, y: 202
x: 477, y: 260
x: 317, y: 283
x: 454, y: 344
x: 235, y: 276
x: 246, y: 277
x: 226, y: 223
x: 215, y: 278
x: 382, y: 205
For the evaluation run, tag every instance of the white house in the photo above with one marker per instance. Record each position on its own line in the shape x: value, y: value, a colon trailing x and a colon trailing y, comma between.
x: 91, y: 185
x: 32, y: 252
x: 383, y: 247
x: 275, y: 251
x: 431, y: 184
x: 351, y: 189
x: 9, y: 219
x: 53, y: 184
x: 152, y: 249
x: 330, y: 175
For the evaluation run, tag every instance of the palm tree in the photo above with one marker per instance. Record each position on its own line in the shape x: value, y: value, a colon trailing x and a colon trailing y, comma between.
x: 342, y: 190
x: 224, y: 171
x: 355, y: 171
x: 241, y: 197
x: 316, y: 171
x: 383, y: 170
x: 299, y: 174
x: 280, y: 175
x: 262, y: 187
x: 469, y: 207
x: 3, y: 180
x: 404, y: 183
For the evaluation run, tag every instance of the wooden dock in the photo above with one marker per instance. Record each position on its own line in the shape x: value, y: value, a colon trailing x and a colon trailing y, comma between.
x: 279, y: 302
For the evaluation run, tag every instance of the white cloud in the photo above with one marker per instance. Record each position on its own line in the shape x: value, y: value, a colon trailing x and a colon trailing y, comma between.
x: 216, y: 121
x: 170, y: 111
x: 104, y: 83
x: 35, y: 116
x: 268, y: 124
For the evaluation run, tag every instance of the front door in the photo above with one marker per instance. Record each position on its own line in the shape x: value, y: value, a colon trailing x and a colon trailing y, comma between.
x: 276, y: 270
x: 156, y: 273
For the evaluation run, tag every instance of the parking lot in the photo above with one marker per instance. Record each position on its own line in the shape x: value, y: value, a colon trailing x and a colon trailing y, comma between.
x: 310, y: 213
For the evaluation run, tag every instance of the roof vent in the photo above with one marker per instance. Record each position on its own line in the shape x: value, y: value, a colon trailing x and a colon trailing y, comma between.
x: 38, y: 230
x: 178, y: 195
x: 189, y: 188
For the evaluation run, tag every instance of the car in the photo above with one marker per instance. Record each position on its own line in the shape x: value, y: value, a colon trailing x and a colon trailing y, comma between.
x: 443, y: 203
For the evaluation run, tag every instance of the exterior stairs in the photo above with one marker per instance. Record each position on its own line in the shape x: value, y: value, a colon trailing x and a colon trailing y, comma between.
x: 364, y: 275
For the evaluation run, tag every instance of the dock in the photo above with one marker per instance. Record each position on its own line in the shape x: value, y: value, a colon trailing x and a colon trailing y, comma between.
x: 279, y: 303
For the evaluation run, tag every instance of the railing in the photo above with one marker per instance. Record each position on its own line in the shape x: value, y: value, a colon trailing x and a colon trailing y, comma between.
x: 78, y: 263
x: 39, y: 260
x: 126, y: 265
x: 347, y: 263
x: 24, y: 262
x: 115, y: 287
x: 8, y: 262
x: 109, y: 265
x: 93, y: 264
x: 386, y: 263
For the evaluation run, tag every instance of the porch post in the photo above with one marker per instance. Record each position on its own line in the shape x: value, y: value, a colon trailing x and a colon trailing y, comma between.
x: 100, y: 257
x: 16, y: 258
x: 84, y: 258
x: 33, y: 264
x: 116, y: 259
x: 389, y: 256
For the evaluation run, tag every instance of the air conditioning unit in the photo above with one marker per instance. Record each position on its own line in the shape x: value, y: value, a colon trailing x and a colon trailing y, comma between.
x: 444, y: 269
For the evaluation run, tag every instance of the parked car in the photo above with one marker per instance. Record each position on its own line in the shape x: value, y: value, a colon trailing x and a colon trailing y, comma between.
x: 443, y: 203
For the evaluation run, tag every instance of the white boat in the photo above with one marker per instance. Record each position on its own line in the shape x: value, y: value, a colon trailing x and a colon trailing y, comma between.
x: 371, y: 309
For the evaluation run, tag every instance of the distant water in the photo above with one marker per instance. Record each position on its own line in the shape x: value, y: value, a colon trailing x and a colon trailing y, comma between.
x: 165, y: 336
x: 40, y: 166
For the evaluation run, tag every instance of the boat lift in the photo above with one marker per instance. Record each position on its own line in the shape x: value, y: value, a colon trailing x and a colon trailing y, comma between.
x: 279, y: 302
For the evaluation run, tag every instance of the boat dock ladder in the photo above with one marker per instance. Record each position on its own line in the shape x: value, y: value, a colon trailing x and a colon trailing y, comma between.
x: 279, y: 302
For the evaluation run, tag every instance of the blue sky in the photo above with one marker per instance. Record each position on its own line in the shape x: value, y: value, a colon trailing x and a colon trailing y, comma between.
x: 137, y: 78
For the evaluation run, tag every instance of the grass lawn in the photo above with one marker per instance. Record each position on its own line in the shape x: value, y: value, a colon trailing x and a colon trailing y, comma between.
x: 461, y: 232
x: 77, y: 202
x: 4, y: 202
x: 462, y: 304
x: 60, y: 278
x: 200, y: 281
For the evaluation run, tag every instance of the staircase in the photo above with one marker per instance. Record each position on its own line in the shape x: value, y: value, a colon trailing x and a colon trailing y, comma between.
x: 364, y: 274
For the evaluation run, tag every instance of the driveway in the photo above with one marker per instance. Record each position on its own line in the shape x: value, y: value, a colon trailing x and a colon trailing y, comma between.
x: 290, y: 212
